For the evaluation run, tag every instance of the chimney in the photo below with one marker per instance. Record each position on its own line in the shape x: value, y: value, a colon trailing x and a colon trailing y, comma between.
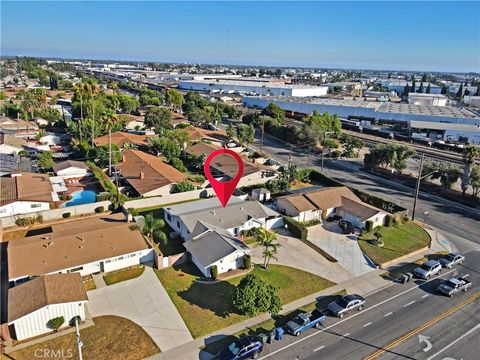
x: 142, y: 175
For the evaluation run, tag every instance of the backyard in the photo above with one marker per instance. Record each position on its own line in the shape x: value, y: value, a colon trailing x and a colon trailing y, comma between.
x: 398, y: 240
x: 206, y: 308
x: 106, y: 340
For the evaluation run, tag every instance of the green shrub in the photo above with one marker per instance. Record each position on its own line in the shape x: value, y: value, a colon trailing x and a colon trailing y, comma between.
x: 405, y: 219
x: 397, y: 220
x: 22, y: 221
x: 295, y: 227
x: 134, y: 227
x: 103, y: 197
x: 368, y: 225
x: 100, y: 209
x: 178, y: 164
x: 183, y: 186
x: 247, y: 261
x: 214, y: 272
x: 66, y: 215
x: 56, y: 323
x: 133, y: 212
x: 160, y: 236
x: 335, y: 154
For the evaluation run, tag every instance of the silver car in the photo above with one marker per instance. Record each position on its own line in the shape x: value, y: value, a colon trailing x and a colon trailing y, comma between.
x: 428, y: 269
x: 345, y: 304
x: 451, y: 259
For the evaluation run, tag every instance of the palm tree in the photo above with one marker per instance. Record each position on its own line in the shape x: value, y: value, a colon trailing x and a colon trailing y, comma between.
x: 92, y: 91
x: 266, y: 239
x: 470, y: 154
x: 81, y: 90
x: 30, y: 103
x: 151, y: 225
x: 109, y: 118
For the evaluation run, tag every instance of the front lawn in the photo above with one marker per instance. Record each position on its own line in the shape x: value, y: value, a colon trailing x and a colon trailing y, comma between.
x: 88, y: 283
x: 123, y: 274
x: 398, y: 240
x: 111, y: 337
x: 171, y: 246
x: 206, y: 308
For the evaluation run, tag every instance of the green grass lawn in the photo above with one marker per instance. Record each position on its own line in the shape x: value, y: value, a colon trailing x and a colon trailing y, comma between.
x: 398, y: 240
x: 172, y: 246
x: 111, y: 337
x: 123, y: 275
x: 206, y: 308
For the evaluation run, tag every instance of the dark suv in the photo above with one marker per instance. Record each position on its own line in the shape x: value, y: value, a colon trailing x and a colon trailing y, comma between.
x: 346, y: 226
x: 248, y: 347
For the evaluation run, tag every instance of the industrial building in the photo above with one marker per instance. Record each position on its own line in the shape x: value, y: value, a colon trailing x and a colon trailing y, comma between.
x: 399, y: 86
x: 440, y: 117
x: 253, y: 88
x: 427, y: 99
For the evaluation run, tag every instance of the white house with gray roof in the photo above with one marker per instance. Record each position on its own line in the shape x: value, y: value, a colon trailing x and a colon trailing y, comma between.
x: 212, y: 246
x: 237, y: 216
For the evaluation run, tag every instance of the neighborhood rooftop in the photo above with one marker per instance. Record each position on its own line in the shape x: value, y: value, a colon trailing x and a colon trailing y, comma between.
x: 43, y: 291
x: 69, y: 163
x: 72, y: 244
x: 24, y: 186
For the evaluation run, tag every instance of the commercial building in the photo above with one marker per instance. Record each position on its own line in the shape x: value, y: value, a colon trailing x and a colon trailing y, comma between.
x: 254, y: 88
x: 33, y: 304
x: 399, y: 86
x: 427, y: 99
x: 86, y: 246
x: 472, y: 100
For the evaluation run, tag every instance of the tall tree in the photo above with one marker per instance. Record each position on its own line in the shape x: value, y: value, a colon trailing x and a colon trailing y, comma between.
x: 267, y: 239
x: 428, y: 89
x: 109, y: 119
x: 160, y: 119
x: 470, y: 155
x: 174, y: 98
x: 444, y: 89
x: 254, y: 296
x: 414, y: 86
x: 420, y: 88
x: 460, y: 92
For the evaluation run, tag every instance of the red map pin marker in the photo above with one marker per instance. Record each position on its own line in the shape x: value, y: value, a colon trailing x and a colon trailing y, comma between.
x: 223, y: 189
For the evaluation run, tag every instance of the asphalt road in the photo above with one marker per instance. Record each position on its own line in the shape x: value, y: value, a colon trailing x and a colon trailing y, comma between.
x: 398, y: 312
x: 460, y: 224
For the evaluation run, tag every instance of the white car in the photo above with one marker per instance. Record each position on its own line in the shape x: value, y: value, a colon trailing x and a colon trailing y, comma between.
x: 428, y: 269
x: 451, y: 259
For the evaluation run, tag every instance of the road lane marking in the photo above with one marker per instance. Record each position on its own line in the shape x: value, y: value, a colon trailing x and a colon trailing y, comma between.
x: 410, y: 303
x: 354, y: 315
x: 319, y: 348
x: 455, y: 341
x: 345, y: 335
x: 424, y: 296
x: 367, y: 324
x: 429, y: 323
x: 388, y: 314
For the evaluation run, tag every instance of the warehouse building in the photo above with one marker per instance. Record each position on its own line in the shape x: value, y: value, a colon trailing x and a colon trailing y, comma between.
x: 427, y: 99
x: 254, y: 88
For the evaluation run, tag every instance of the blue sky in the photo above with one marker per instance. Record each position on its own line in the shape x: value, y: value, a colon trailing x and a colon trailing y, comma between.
x: 443, y: 36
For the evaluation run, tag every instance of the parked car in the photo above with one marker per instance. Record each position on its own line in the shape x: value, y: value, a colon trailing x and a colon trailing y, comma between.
x: 346, y: 304
x: 305, y: 321
x: 454, y: 285
x: 428, y: 269
x: 248, y: 347
x: 449, y: 260
x: 346, y: 226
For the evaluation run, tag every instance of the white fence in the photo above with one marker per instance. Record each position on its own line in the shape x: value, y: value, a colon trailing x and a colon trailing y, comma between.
x: 168, y: 199
x: 53, y: 214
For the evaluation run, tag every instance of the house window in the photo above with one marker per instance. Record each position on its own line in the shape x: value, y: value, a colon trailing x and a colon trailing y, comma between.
x: 80, y: 268
x: 3, y: 210
x: 133, y: 255
x: 178, y: 224
x: 235, y: 231
x: 120, y: 258
x: 108, y: 261
x: 35, y: 205
x: 169, y: 217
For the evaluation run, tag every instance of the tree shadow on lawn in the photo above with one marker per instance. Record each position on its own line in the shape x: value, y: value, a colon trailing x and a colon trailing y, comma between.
x: 215, y: 297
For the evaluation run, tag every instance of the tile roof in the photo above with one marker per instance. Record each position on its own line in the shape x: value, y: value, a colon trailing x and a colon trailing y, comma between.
x: 213, y: 244
x: 72, y: 244
x: 224, y: 163
x: 42, y: 291
x: 12, y: 140
x: 121, y: 138
x: 155, y: 172
x: 24, y: 186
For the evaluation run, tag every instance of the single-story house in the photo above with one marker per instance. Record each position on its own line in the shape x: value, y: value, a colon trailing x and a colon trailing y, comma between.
x: 148, y: 174
x: 25, y: 193
x: 225, y: 167
x: 33, y: 304
x: 18, y: 128
x: 10, y: 144
x: 71, y: 169
x: 239, y: 215
x: 120, y: 138
x: 178, y: 119
x: 85, y: 246
x: 215, y: 137
x: 323, y: 203
x: 261, y: 194
x: 213, y: 246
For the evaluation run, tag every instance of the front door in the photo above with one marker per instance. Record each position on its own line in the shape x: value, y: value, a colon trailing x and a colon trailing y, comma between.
x: 102, y: 266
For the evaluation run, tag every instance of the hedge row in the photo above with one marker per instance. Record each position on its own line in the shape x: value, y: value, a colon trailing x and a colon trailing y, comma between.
x: 296, y: 228
x: 104, y: 181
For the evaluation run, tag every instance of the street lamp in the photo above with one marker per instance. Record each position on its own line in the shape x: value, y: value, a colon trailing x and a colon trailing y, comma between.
x: 419, y: 178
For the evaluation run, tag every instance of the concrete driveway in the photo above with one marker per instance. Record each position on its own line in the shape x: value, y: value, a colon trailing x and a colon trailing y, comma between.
x: 330, y: 238
x: 144, y: 301
x: 296, y: 254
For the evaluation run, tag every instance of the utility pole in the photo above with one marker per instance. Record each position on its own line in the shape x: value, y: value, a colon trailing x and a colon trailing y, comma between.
x: 417, y: 190
x: 290, y: 155
x: 263, y: 131
x: 110, y: 151
x: 79, y: 342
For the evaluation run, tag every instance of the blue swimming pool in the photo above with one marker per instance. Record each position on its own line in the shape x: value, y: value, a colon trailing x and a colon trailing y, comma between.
x: 81, y: 197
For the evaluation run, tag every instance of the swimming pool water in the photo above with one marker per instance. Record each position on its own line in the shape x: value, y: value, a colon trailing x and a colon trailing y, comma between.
x: 82, y: 197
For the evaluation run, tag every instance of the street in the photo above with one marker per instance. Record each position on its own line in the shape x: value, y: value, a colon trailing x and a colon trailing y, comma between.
x: 458, y: 223
x: 402, y: 321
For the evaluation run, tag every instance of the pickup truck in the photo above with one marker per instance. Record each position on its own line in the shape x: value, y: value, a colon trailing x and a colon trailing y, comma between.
x: 305, y: 321
x: 454, y: 285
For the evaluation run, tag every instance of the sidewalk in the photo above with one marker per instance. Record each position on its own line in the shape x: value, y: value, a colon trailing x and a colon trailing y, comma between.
x: 363, y: 285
